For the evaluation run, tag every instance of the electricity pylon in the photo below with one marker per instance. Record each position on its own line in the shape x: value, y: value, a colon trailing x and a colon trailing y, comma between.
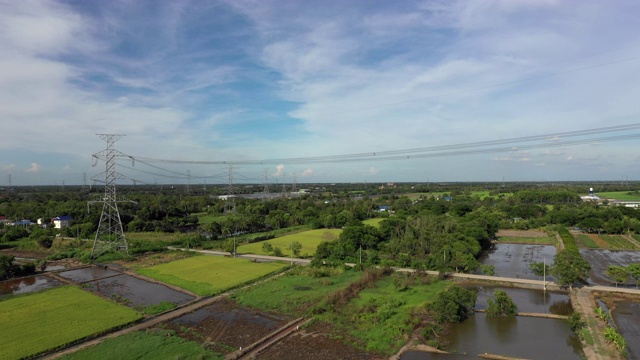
x: 110, y: 234
x: 230, y: 202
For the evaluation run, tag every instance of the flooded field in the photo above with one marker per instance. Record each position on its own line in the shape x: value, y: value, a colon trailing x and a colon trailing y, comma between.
x: 226, y: 326
x: 131, y: 290
x: 626, y: 316
x: 88, y: 274
x: 521, y: 337
x: 138, y: 292
x: 512, y: 260
x: 528, y: 300
x: 601, y: 259
x: 27, y: 285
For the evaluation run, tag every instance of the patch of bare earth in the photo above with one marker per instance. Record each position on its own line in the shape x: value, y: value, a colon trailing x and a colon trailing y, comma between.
x: 312, y: 343
x: 225, y: 326
x: 521, y: 233
x: 596, y: 239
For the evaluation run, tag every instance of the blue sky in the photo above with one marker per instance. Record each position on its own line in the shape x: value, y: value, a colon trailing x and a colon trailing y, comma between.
x: 238, y: 80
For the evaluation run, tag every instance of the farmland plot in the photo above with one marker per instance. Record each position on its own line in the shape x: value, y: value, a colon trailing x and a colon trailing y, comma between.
x: 37, y: 322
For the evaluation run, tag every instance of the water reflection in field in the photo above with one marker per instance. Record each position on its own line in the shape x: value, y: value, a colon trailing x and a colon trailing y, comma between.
x: 513, y: 260
x: 26, y: 285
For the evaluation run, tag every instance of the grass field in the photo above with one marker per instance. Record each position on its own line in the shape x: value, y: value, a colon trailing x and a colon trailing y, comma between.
x: 208, y: 275
x: 586, y: 241
x: 204, y: 218
x: 296, y: 291
x: 308, y: 239
x: 145, y: 345
x: 618, y: 242
x: 45, y: 320
x: 619, y: 195
x: 551, y: 240
x: 154, y: 236
x: 382, y: 318
x: 375, y: 222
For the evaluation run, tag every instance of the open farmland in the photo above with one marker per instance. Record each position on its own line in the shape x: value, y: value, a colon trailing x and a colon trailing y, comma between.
x: 207, y: 275
x: 297, y: 291
x: 618, y: 242
x: 375, y: 222
x: 38, y: 322
x: 145, y: 345
x: 620, y: 195
x: 308, y: 239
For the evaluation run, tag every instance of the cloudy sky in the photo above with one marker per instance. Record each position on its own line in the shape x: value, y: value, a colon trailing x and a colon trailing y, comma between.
x: 214, y: 81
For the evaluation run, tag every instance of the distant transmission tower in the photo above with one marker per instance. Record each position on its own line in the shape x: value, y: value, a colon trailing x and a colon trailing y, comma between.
x: 265, y: 190
x: 230, y: 203
x: 294, y: 187
x: 284, y: 185
x: 110, y: 234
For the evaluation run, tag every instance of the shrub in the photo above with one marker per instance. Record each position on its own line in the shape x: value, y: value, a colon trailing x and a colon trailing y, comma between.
x: 502, y: 306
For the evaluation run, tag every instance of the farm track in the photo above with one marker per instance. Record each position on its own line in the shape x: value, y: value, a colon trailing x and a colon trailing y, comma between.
x: 253, y: 350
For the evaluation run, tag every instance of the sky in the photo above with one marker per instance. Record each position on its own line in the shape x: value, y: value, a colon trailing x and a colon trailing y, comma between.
x: 229, y: 81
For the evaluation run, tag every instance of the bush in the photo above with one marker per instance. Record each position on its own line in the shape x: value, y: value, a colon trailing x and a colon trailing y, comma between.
x: 502, y: 306
x: 454, y: 305
x: 576, y: 323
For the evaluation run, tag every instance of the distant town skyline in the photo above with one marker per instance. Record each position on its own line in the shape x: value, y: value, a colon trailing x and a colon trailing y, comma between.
x: 210, y: 82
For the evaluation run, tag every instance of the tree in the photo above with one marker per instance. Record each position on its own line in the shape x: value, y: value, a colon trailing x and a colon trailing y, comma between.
x: 295, y: 248
x: 267, y: 247
x: 454, y: 304
x: 569, y: 267
x: 618, y: 274
x: 502, y: 306
x: 634, y: 271
x: 539, y: 268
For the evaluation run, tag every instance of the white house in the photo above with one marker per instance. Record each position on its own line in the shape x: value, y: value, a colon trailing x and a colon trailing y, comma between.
x: 61, y: 221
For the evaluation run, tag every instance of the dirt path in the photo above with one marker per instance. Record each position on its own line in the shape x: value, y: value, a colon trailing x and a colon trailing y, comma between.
x: 583, y: 303
x: 596, y: 239
x: 253, y: 350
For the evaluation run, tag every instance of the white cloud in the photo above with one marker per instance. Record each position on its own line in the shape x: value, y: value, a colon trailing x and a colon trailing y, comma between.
x: 279, y: 170
x: 8, y: 167
x: 307, y: 172
x: 35, y: 167
x: 373, y: 171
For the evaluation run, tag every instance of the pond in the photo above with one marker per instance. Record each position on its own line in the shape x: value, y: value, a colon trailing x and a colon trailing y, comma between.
x: 601, y: 259
x: 512, y: 260
x: 528, y: 300
x: 27, y: 285
x: 88, y: 274
x: 521, y: 337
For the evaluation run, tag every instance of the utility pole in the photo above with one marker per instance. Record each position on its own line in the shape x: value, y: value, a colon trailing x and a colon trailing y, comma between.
x: 544, y: 273
x: 110, y: 234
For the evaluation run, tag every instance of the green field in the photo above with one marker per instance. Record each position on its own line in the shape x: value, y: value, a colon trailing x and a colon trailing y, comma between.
x: 145, y: 345
x: 204, y: 218
x: 154, y: 236
x: 528, y: 240
x: 382, y: 318
x: 297, y: 290
x: 208, y: 275
x: 586, y: 241
x: 37, y: 322
x: 308, y: 239
x: 618, y: 242
x: 375, y: 222
x: 620, y: 195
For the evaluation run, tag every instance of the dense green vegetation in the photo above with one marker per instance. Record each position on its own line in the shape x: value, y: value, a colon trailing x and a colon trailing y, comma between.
x: 308, y: 239
x: 37, y: 322
x: 145, y: 345
x: 207, y: 275
x: 501, y: 305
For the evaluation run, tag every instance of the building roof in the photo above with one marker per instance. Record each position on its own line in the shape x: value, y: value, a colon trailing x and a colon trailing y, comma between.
x: 62, y: 218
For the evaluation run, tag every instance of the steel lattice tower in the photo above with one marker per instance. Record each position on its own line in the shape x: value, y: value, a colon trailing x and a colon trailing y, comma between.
x: 110, y: 234
x: 265, y: 189
x: 230, y: 202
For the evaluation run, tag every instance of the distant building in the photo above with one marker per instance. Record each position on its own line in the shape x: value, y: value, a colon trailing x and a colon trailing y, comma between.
x: 591, y: 197
x: 383, y: 208
x: 60, y: 222
x: 22, y: 223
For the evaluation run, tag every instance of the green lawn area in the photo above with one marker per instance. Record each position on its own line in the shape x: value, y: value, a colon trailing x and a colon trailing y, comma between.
x: 618, y: 242
x: 204, y: 218
x: 145, y: 345
x: 154, y: 236
x: 308, y: 239
x: 208, y: 275
x: 586, y: 241
x: 382, y: 317
x: 529, y: 240
x: 375, y: 222
x: 619, y: 195
x: 296, y: 291
x: 37, y: 322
